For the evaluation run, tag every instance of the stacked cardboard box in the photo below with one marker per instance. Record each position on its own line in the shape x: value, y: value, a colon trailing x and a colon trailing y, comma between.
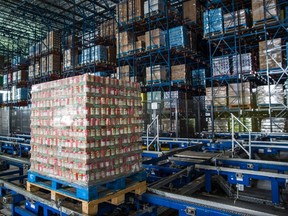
x: 239, y: 94
x: 124, y: 42
x: 70, y: 41
x: 275, y: 95
x: 235, y: 19
x: 192, y: 11
x: 213, y: 21
x: 67, y: 58
x: 31, y: 71
x: 94, y: 53
x: 238, y: 127
x: 51, y: 42
x: 219, y: 94
x: 108, y: 29
x: 111, y: 54
x: 53, y: 64
x: 129, y: 73
x: 180, y: 72
x: 157, y: 38
x: 122, y: 11
x: 260, y: 12
x: 157, y: 73
x: 34, y: 70
x: 135, y: 9
x: 20, y: 76
x: 86, y: 129
x: 154, y: 6
x: 43, y: 66
x: 242, y: 63
x: 273, y: 52
x: 221, y: 66
x: 19, y: 94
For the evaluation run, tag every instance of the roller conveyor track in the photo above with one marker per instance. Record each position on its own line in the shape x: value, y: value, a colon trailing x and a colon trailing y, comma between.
x: 14, y: 159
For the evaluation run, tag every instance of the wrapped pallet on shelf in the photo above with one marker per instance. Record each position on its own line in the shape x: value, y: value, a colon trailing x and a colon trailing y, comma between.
x: 179, y: 37
x: 31, y: 71
x: 236, y: 20
x: 238, y: 127
x: 221, y: 66
x: 53, y: 64
x: 122, y: 12
x: 264, y: 10
x: 242, y: 64
x: 156, y: 40
x: 19, y: 76
x: 153, y: 7
x: 240, y: 95
x: 98, y: 53
x: 108, y: 29
x: 274, y: 125
x: 199, y: 78
x: 213, y: 22
x: 273, y: 94
x: 221, y: 125
x: 156, y: 73
x: 174, y: 100
x: 70, y: 56
x: 44, y: 67
x: 180, y: 73
x: 270, y: 54
x: 219, y: 95
x: 111, y: 54
x: 135, y: 10
x: 91, y: 132
x: 124, y: 42
x: 53, y: 41
x: 192, y: 11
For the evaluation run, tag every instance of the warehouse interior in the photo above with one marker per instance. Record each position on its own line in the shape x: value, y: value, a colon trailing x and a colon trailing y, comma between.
x: 143, y: 107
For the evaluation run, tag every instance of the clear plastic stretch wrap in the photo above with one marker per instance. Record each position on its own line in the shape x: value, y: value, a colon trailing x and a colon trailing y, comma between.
x: 86, y: 129
x: 239, y: 94
x: 276, y: 124
x: 219, y: 94
x: 276, y: 94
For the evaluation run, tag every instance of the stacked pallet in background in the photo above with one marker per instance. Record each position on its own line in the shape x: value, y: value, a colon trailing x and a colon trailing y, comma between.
x: 51, y: 42
x: 274, y: 97
x: 221, y: 66
x: 152, y: 7
x: 213, y: 22
x: 128, y: 73
x: 86, y: 129
x: 124, y: 42
x: 135, y: 9
x: 179, y: 37
x: 180, y: 73
x: 192, y: 11
x: 174, y: 100
x: 240, y: 95
x: 155, y: 39
x: 19, y: 94
x: 221, y: 125
x: 242, y: 64
x: 111, y: 54
x: 273, y: 52
x: 19, y: 76
x: 219, y: 95
x: 122, y: 12
x: 274, y: 125
x: 238, y: 127
x: 199, y: 78
x: 94, y: 54
x: 156, y: 73
x: 108, y: 29
x: 264, y: 10
x: 70, y: 58
x: 235, y: 20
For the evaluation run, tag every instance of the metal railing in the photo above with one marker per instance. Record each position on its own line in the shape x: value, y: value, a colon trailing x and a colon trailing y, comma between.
x: 234, y: 141
x: 155, y: 120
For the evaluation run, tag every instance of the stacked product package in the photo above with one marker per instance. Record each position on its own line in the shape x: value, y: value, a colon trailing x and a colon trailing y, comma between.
x: 273, y: 95
x: 264, y: 10
x: 178, y: 37
x: 155, y: 38
x: 219, y: 94
x: 239, y: 94
x: 192, y: 11
x: 273, y: 50
x: 242, y: 63
x: 274, y: 125
x: 156, y: 73
x: 180, y: 72
x: 235, y: 19
x: 220, y: 125
x: 86, y: 129
x: 154, y: 6
x: 221, y: 66
x: 213, y: 21
x: 94, y: 53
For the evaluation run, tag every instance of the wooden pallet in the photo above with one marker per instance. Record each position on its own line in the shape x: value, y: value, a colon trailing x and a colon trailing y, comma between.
x: 269, y: 21
x: 241, y: 106
x: 86, y: 207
